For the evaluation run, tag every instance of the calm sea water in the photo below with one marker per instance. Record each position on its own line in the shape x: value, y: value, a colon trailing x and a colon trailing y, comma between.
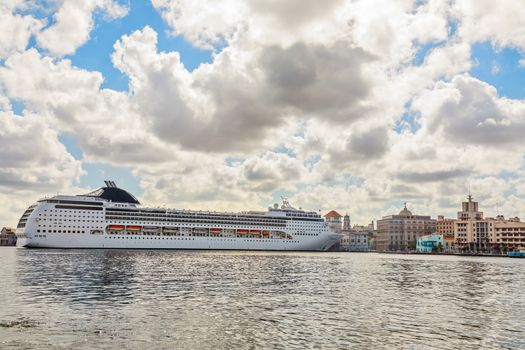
x: 85, y: 299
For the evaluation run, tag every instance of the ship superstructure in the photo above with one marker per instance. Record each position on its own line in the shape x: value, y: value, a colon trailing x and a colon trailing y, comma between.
x: 111, y: 217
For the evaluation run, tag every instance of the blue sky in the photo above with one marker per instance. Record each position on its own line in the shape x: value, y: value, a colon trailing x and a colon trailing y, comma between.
x: 96, y: 53
x: 500, y: 68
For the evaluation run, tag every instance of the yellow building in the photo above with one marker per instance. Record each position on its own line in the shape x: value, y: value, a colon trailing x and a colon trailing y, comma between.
x: 445, y: 226
x: 509, y: 233
x: 471, y: 230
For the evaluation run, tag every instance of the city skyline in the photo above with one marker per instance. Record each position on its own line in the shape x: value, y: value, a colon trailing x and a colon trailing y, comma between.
x: 355, y: 106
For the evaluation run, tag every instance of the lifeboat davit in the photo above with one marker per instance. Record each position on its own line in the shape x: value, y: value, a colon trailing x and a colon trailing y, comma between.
x: 116, y: 227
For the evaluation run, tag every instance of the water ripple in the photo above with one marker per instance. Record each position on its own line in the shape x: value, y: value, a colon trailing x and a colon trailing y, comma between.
x: 108, y: 299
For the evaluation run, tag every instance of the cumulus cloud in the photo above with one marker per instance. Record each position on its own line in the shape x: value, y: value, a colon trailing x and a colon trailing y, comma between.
x: 468, y: 110
x: 268, y: 22
x: 15, y: 29
x: 73, y: 102
x: 32, y: 162
x: 242, y: 97
x: 317, y: 78
x: 501, y: 22
x: 73, y: 23
x: 439, y: 175
x: 369, y: 144
x: 300, y: 96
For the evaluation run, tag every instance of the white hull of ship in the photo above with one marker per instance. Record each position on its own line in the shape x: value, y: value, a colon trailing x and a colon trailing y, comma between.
x: 105, y: 241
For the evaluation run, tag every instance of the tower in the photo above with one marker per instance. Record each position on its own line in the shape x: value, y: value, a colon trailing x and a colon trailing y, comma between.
x: 333, y: 219
x: 346, y: 222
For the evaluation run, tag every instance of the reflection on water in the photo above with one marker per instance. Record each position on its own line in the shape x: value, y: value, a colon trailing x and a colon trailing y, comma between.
x: 222, y: 300
x: 57, y: 277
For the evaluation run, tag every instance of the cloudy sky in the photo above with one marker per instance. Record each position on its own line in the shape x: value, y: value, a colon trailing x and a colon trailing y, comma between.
x: 229, y: 104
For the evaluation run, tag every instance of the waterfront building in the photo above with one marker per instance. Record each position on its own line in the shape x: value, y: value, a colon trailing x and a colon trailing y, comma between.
x: 474, y: 232
x: 399, y: 232
x: 361, y: 228
x: 354, y: 241
x: 508, y: 234
x: 470, y: 210
x: 358, y: 241
x: 430, y: 243
x: 333, y: 219
x: 449, y: 243
x: 7, y: 237
x: 346, y: 222
x: 445, y: 226
x: 471, y: 230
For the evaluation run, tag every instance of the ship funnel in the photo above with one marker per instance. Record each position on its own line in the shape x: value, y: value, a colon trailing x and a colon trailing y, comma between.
x: 110, y: 184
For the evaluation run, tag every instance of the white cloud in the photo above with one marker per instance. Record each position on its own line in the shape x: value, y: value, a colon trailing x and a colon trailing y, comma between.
x: 15, y: 29
x: 469, y: 111
x: 501, y: 22
x: 72, y: 101
x: 73, y: 23
x: 268, y: 22
x: 32, y: 162
x: 323, y: 83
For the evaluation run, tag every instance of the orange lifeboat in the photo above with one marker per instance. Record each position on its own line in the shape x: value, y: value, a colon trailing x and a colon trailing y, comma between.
x: 215, y: 230
x: 116, y: 227
x: 255, y: 232
x: 266, y: 233
x: 134, y: 228
x: 242, y: 231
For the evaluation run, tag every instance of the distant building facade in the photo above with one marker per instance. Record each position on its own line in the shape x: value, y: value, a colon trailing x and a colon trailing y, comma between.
x: 435, y: 242
x: 430, y: 243
x: 333, y: 219
x: 474, y: 232
x: 346, y: 222
x: 508, y: 234
x: 445, y: 226
x: 471, y: 230
x: 399, y: 232
x: 358, y: 241
x: 7, y: 237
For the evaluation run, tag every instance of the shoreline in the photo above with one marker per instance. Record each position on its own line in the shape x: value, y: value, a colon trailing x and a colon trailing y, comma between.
x: 438, y: 254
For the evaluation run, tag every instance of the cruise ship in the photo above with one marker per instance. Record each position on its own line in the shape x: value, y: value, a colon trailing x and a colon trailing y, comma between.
x: 111, y: 217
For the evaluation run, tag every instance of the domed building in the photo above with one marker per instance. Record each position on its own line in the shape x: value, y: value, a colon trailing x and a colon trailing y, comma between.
x: 399, y: 232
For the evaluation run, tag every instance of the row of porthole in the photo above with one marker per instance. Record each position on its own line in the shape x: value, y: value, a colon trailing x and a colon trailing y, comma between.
x: 60, y: 231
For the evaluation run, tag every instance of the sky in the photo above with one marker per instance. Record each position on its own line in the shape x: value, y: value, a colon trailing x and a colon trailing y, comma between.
x: 357, y: 106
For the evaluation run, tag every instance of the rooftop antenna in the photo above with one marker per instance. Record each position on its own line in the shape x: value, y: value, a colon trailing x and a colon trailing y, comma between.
x: 469, y: 194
